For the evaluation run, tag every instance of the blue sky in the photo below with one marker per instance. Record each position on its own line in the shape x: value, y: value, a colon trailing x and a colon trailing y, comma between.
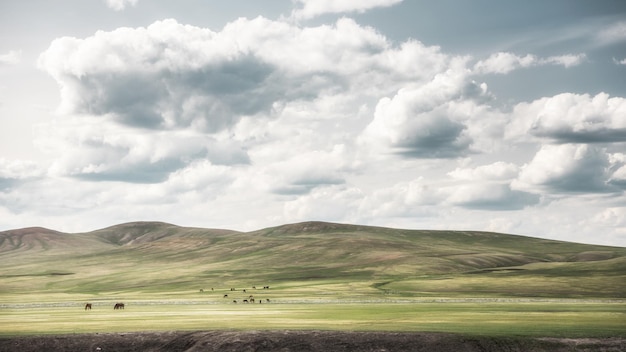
x: 468, y: 115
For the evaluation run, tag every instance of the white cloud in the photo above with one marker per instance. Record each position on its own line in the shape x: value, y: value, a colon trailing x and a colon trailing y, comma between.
x: 164, y: 77
x: 14, y: 174
x: 568, y: 60
x: 435, y: 119
x: 119, y: 5
x: 314, y: 8
x: 330, y: 203
x: 402, y: 128
x: 19, y: 169
x: 504, y: 62
x: 619, y: 62
x: 162, y: 83
x: 572, y: 118
x: 307, y: 171
x: 567, y: 168
x: 491, y: 196
x: 101, y: 150
x: 497, y: 171
x: 13, y: 57
x: 614, y: 33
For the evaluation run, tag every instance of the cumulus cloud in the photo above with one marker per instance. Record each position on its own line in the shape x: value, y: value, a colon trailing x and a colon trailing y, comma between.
x: 491, y: 196
x: 177, y: 85
x: 170, y: 75
x: 572, y: 118
x: 430, y: 120
x: 119, y: 5
x: 13, y: 57
x: 409, y: 132
x: 486, y: 187
x: 567, y: 168
x: 504, y: 62
x: 164, y: 76
x: 104, y: 151
x: 422, y: 197
x: 314, y: 8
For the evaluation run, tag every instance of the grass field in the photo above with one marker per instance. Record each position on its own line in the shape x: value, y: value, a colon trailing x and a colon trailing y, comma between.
x: 322, y: 277
x: 549, y: 318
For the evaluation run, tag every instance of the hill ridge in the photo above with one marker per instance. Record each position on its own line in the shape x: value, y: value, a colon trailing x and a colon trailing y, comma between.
x: 154, y: 256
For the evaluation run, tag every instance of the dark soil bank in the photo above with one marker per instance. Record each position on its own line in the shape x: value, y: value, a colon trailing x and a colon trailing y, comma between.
x: 225, y: 341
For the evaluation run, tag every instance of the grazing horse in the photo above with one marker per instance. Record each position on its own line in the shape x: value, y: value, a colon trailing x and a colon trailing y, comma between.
x: 225, y: 296
x: 88, y: 306
x: 119, y: 306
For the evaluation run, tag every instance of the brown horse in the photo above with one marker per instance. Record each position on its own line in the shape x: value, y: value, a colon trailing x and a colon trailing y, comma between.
x: 119, y: 306
x: 88, y: 306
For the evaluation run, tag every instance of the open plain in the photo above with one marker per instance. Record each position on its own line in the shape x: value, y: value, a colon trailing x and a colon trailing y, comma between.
x: 307, y: 286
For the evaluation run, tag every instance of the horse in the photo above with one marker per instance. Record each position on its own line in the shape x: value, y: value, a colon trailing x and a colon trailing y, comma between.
x: 88, y: 306
x: 119, y: 306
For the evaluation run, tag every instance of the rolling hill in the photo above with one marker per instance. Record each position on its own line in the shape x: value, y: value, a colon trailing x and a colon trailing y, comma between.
x: 329, y: 259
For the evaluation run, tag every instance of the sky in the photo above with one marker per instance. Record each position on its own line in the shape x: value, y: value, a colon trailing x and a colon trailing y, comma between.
x: 504, y: 116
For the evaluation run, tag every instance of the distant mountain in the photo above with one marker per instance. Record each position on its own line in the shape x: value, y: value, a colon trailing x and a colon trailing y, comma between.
x: 155, y: 257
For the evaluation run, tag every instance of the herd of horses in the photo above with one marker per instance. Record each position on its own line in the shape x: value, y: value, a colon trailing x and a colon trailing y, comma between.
x: 249, y: 299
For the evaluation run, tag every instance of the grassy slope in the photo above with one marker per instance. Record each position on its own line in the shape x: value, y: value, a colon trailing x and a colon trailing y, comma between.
x: 328, y: 259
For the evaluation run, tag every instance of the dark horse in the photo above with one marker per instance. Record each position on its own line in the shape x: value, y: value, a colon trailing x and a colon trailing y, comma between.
x: 88, y: 306
x: 119, y: 306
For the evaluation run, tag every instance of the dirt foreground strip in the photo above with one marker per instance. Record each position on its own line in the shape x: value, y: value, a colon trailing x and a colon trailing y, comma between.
x: 226, y: 341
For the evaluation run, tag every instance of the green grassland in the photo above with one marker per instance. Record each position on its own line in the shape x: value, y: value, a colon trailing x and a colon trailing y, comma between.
x: 554, y: 319
x: 321, y: 276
